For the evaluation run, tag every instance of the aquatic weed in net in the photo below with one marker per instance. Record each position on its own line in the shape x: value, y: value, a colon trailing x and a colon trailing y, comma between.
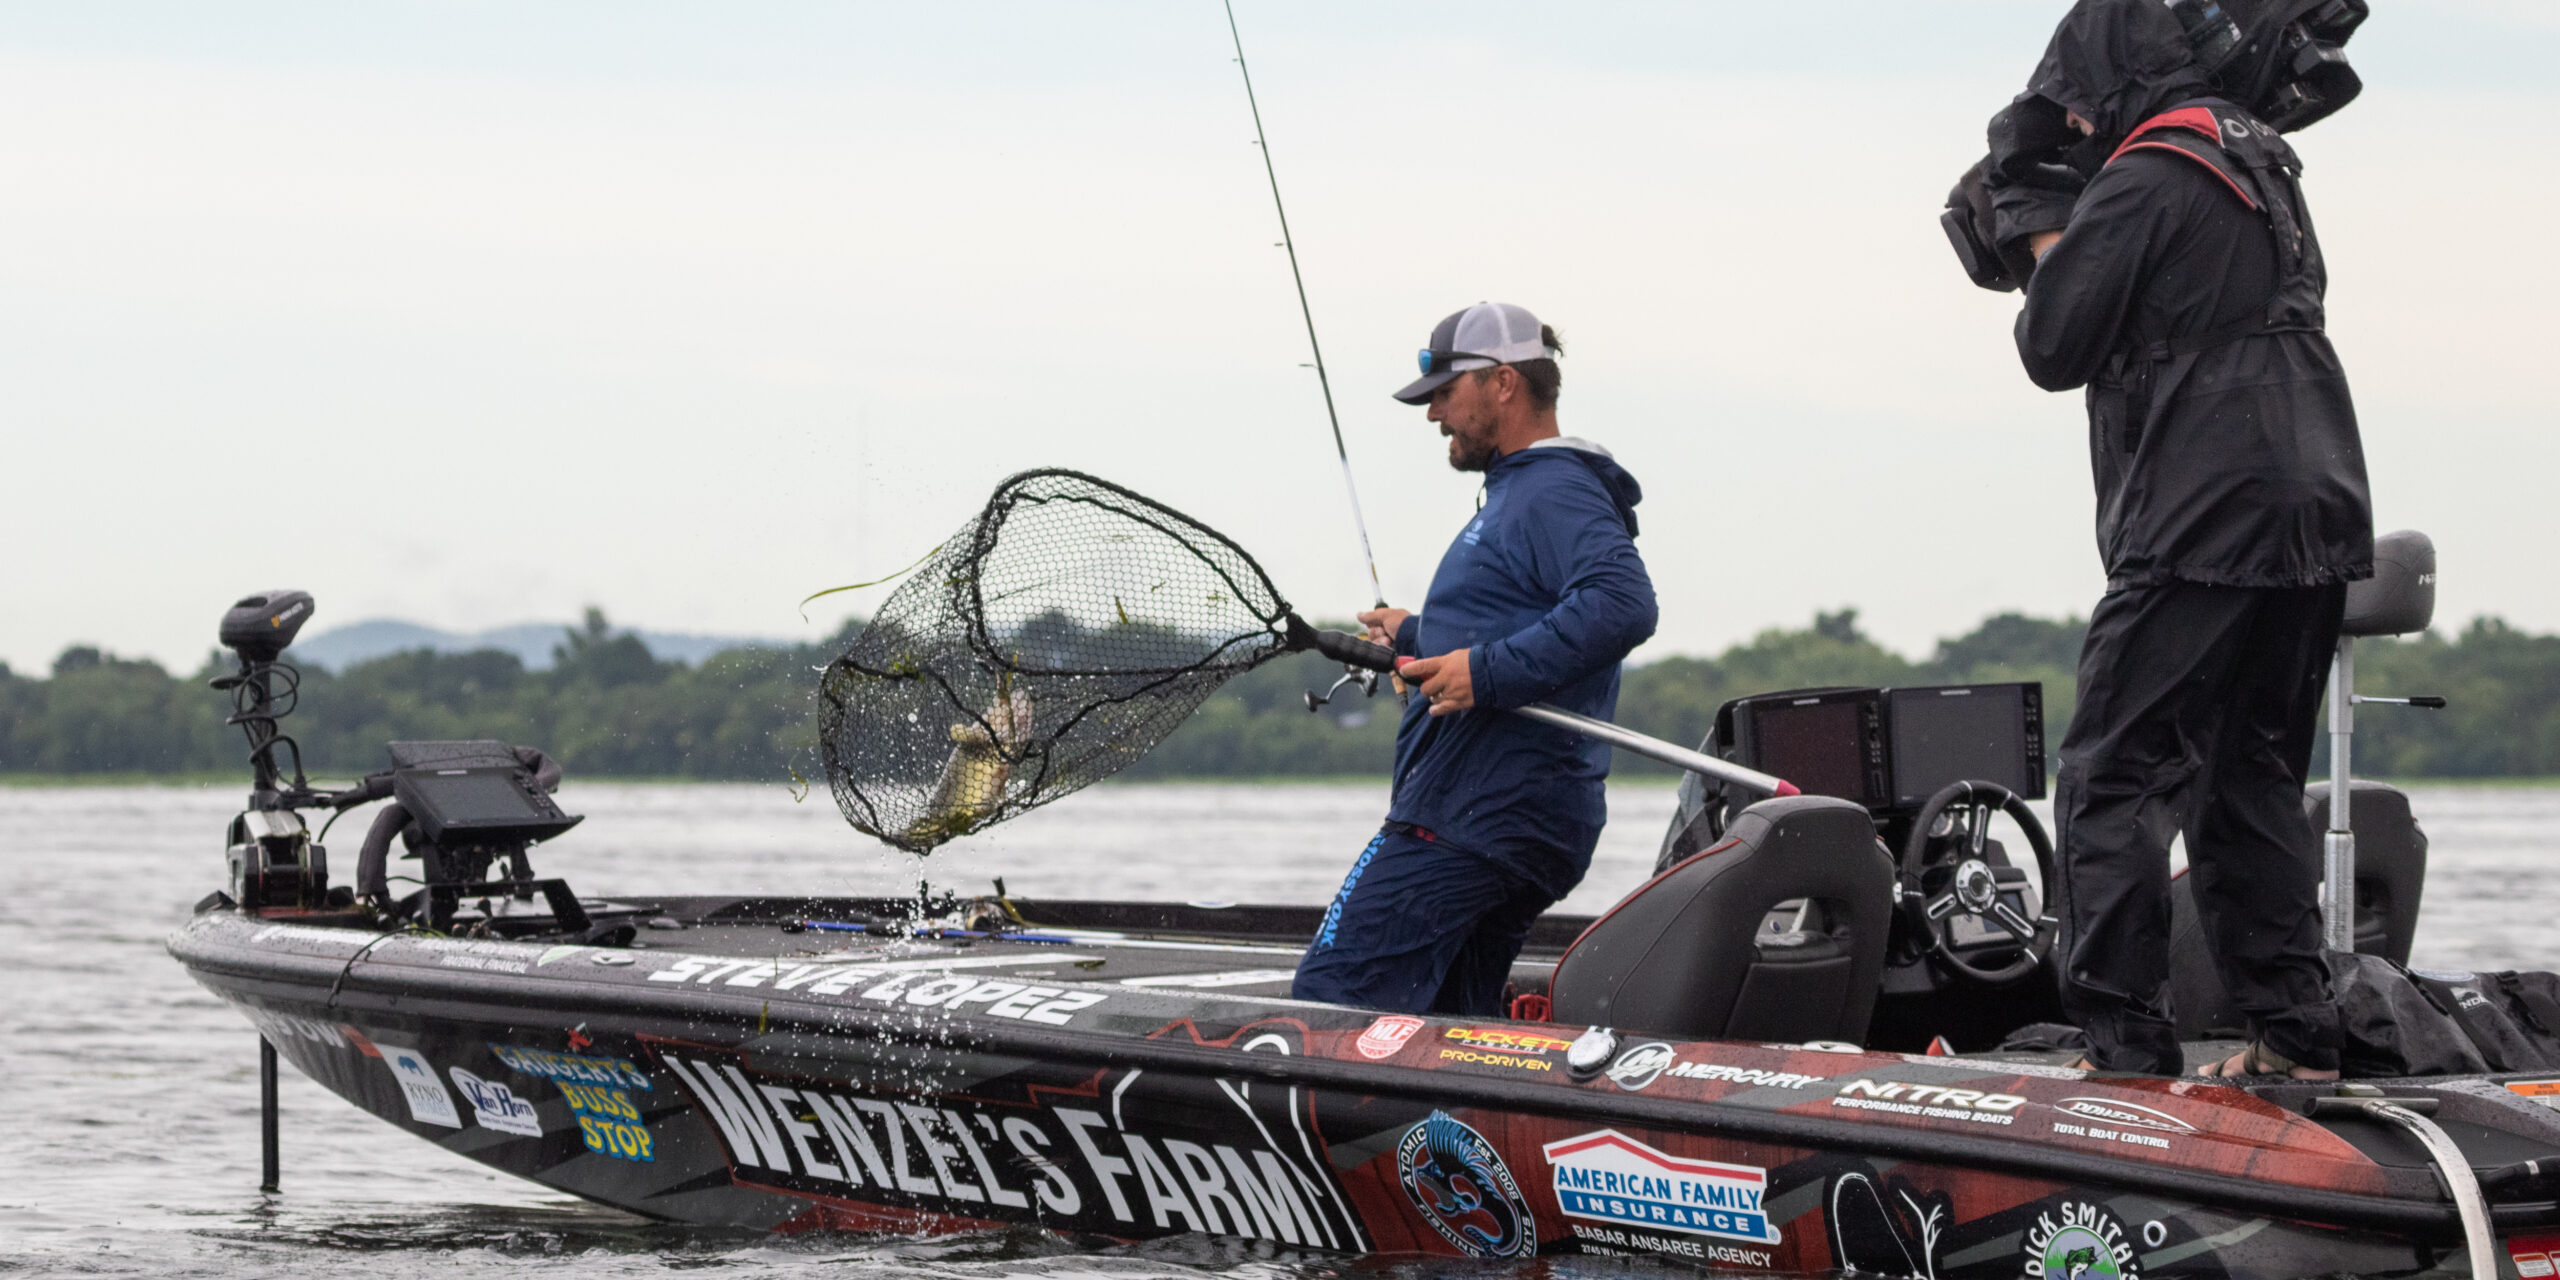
x: 1050, y: 643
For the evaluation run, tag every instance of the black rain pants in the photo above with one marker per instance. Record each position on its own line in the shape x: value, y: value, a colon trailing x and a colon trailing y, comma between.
x: 2198, y: 709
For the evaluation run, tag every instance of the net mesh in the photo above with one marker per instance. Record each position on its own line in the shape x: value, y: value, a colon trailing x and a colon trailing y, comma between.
x: 1050, y: 643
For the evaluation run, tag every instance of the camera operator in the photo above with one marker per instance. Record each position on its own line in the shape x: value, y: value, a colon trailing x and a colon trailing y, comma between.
x: 2183, y: 288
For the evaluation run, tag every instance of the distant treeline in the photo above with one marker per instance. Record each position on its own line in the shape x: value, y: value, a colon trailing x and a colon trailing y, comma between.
x: 607, y: 708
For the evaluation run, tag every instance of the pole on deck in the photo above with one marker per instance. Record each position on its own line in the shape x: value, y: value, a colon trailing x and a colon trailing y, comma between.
x: 2338, y: 848
x: 270, y: 1157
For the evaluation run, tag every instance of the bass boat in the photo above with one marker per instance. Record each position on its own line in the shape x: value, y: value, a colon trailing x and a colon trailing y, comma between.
x: 1801, y: 1048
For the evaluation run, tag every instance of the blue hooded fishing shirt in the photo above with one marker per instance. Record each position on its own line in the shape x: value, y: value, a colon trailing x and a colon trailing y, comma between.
x: 1545, y: 591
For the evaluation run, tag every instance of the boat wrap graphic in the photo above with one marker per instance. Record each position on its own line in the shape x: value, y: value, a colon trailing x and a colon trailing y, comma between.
x: 750, y: 1100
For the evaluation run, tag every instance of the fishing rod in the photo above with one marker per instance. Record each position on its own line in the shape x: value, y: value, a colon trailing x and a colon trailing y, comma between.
x: 1260, y: 139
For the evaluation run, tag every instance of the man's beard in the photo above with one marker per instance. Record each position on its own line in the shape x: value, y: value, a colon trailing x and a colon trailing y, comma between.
x: 1470, y: 455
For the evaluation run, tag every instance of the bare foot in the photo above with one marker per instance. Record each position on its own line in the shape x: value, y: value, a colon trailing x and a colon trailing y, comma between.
x: 2256, y: 1059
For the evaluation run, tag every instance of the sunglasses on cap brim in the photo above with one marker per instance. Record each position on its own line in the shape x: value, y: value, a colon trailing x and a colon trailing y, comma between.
x: 1435, y: 361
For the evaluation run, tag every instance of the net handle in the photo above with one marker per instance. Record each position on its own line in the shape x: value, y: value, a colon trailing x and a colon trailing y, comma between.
x: 1355, y: 651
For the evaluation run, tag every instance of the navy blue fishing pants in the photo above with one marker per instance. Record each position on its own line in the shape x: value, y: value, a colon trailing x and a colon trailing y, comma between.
x: 1420, y: 926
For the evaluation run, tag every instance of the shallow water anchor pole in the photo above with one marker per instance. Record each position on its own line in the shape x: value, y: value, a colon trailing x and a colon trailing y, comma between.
x: 2338, y: 849
x: 269, y: 1156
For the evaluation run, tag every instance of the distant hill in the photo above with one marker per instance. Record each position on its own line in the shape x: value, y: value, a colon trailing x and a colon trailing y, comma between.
x: 341, y: 647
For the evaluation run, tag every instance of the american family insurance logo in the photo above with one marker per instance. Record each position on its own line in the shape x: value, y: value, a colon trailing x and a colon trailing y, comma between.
x: 1610, y: 1177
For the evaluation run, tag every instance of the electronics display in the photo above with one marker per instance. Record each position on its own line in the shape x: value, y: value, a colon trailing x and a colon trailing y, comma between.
x: 1893, y: 748
x: 1827, y: 742
x: 1959, y: 733
x: 476, y: 793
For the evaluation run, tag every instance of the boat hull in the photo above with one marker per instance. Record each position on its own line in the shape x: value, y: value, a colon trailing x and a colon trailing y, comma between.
x: 959, y: 1092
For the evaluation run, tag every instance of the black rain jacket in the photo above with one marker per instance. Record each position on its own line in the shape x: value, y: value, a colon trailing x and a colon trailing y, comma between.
x: 2186, y: 296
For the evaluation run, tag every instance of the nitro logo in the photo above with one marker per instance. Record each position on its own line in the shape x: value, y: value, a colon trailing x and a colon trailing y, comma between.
x: 497, y: 1106
x: 1061, y: 1166
x: 1610, y: 1177
x: 1935, y: 1102
x: 2077, y: 1241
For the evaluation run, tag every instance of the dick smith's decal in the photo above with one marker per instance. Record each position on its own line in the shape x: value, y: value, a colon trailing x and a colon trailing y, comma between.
x: 1937, y: 1102
x: 2079, y: 1241
x: 1101, y: 1166
x: 1612, y: 1178
x: 915, y: 984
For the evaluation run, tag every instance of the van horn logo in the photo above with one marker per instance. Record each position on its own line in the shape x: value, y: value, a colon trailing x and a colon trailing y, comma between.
x: 1640, y: 1066
x: 2114, y: 1111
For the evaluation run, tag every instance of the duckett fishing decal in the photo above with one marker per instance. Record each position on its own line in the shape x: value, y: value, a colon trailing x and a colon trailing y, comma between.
x: 1119, y: 1155
x: 1464, y: 1190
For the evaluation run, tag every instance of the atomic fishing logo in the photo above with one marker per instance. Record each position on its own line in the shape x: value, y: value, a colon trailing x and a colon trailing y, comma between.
x: 1610, y: 1177
x: 1459, y: 1183
x: 2078, y: 1241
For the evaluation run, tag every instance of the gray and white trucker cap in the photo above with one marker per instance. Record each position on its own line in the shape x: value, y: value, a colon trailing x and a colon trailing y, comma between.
x: 1480, y: 337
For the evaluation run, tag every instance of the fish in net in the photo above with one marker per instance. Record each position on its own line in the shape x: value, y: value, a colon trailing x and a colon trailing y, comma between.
x: 1050, y: 643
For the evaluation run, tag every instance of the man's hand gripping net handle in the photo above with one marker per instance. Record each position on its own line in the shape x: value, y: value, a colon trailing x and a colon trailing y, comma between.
x: 1351, y: 650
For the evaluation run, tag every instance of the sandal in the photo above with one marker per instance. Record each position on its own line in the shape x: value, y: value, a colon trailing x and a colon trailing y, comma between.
x: 2256, y: 1059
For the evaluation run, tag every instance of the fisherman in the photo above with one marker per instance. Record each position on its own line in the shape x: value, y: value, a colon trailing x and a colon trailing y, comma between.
x: 1539, y: 599
x: 2183, y: 287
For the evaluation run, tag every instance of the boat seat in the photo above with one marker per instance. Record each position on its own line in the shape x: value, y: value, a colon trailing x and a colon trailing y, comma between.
x: 2391, y: 877
x: 1689, y: 955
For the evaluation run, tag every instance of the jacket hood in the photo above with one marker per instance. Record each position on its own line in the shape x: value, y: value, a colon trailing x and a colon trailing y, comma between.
x: 2117, y: 63
x: 1621, y: 485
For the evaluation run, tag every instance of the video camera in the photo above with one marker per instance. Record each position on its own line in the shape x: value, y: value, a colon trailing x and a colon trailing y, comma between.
x: 2283, y: 61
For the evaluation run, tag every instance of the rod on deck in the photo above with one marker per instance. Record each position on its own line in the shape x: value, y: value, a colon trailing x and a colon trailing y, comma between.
x: 270, y: 1158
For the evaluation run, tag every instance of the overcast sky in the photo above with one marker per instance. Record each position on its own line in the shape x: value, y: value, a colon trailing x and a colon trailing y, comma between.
x: 477, y: 313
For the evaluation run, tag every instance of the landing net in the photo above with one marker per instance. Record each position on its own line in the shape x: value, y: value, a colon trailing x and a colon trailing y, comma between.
x: 1050, y: 643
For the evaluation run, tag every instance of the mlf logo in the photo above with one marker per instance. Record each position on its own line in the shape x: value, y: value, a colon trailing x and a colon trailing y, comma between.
x: 1386, y: 1035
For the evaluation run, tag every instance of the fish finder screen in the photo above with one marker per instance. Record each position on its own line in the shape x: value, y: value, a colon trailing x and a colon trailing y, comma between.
x: 1980, y: 733
x: 476, y: 799
x: 1814, y: 745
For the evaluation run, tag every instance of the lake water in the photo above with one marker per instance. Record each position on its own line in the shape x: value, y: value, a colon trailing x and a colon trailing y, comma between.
x: 130, y: 1142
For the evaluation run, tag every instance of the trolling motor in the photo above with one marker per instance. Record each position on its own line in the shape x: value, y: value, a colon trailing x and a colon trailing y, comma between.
x: 2398, y: 599
x: 461, y: 808
x: 273, y: 860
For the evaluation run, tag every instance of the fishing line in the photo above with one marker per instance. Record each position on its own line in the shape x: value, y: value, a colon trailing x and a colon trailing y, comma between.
x: 1358, y: 522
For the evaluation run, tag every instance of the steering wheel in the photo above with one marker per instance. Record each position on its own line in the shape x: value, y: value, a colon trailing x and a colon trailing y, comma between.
x: 1974, y: 889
